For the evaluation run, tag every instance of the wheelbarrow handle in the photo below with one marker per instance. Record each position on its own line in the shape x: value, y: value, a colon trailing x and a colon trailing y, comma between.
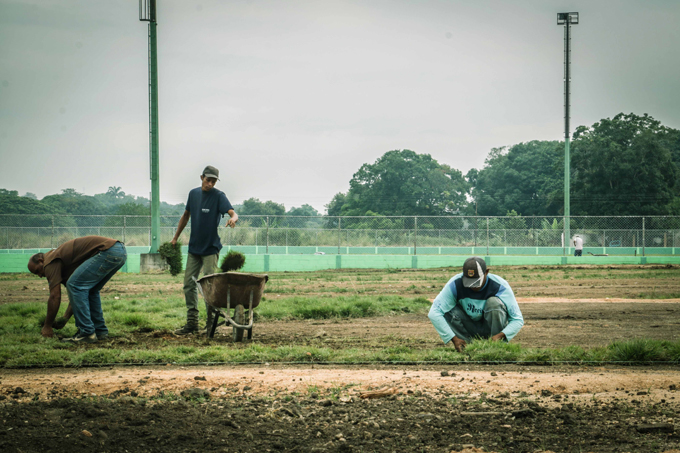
x: 198, y: 285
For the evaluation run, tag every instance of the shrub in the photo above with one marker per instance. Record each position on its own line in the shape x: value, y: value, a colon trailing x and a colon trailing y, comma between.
x: 173, y: 256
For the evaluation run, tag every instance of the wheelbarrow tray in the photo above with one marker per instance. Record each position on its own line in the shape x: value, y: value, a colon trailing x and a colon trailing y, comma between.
x: 237, y: 285
x: 232, y: 290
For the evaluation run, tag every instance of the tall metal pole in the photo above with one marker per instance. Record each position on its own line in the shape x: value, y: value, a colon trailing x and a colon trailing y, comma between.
x: 567, y: 158
x: 568, y: 19
x: 147, y: 12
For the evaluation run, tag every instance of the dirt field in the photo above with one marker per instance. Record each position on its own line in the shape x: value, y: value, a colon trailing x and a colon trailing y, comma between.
x: 320, y: 408
x: 268, y: 408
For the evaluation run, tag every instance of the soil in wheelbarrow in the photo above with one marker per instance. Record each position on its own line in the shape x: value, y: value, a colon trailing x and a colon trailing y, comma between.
x: 417, y: 410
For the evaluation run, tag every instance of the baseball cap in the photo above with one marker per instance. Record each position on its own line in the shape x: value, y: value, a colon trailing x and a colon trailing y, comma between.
x: 211, y: 172
x: 473, y: 272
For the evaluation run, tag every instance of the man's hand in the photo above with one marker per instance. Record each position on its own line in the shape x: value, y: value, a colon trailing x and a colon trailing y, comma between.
x: 459, y: 344
x: 47, y: 332
x: 233, y: 218
x: 174, y: 242
x: 498, y: 337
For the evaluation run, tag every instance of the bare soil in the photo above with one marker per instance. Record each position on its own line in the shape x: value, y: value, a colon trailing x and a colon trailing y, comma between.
x: 267, y: 408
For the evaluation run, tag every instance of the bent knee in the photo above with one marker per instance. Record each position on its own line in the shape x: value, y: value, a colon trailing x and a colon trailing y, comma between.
x: 494, y: 303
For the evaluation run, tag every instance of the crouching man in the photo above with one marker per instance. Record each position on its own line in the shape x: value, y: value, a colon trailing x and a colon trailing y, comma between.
x: 475, y: 304
x: 83, y: 266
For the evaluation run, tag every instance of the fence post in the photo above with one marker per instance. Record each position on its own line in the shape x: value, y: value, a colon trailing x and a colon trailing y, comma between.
x: 476, y: 228
x: 339, y: 221
x: 415, y: 234
x: 643, y: 236
x: 52, y: 237
x: 124, y: 226
x: 487, y: 236
x: 267, y: 232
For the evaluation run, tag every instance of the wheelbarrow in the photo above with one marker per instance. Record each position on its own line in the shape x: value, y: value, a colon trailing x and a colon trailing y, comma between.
x: 232, y: 290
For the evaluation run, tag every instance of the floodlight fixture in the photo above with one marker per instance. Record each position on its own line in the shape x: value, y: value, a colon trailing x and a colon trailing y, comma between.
x: 567, y: 19
x: 563, y: 18
x: 147, y: 10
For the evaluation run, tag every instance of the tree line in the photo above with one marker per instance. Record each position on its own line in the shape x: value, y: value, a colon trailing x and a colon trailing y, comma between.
x: 626, y: 165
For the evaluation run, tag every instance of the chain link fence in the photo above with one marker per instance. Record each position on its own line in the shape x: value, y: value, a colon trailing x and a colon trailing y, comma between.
x: 521, y: 234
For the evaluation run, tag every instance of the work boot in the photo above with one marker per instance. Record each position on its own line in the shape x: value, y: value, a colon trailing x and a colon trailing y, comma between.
x: 188, y: 329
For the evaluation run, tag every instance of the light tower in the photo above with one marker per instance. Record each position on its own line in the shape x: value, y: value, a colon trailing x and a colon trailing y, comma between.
x: 567, y: 19
x: 147, y: 13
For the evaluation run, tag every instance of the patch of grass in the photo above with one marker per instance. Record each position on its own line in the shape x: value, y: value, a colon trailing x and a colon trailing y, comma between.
x: 493, y: 351
x: 135, y: 319
x: 338, y: 307
x: 156, y: 302
x: 638, y: 350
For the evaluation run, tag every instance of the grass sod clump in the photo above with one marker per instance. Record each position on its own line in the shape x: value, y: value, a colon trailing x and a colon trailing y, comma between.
x: 172, y: 254
x: 233, y: 261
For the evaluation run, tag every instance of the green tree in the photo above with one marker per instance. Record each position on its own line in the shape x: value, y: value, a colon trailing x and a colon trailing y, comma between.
x: 115, y: 192
x: 74, y: 203
x: 404, y: 183
x: 30, y: 195
x: 70, y: 193
x: 13, y: 204
x: 304, y: 210
x: 253, y: 206
x: 522, y: 178
x: 624, y: 166
x: 132, y: 209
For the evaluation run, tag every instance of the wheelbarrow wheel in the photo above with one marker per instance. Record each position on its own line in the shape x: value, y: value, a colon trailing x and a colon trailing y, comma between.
x: 239, y: 318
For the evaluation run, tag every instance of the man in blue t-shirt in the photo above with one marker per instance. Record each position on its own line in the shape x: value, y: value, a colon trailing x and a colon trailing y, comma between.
x: 475, y: 304
x: 205, y: 207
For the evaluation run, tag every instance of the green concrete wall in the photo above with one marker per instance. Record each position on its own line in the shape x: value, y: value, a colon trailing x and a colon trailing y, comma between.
x: 16, y: 261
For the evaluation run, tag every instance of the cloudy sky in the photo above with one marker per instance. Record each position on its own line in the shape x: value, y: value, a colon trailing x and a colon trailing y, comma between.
x: 289, y: 98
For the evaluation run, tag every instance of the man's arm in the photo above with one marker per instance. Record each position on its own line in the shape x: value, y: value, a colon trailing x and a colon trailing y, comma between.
x: 233, y: 218
x: 182, y: 224
x: 60, y: 323
x: 442, y: 304
x: 53, y: 304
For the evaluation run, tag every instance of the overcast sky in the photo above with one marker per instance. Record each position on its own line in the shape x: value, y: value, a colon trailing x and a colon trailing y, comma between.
x: 289, y: 98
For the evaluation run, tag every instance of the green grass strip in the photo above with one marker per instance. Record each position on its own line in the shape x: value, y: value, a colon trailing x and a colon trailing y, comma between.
x: 637, y: 351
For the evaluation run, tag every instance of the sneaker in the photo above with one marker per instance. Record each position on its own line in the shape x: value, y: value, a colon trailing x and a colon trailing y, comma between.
x: 103, y: 336
x: 79, y: 338
x: 188, y: 329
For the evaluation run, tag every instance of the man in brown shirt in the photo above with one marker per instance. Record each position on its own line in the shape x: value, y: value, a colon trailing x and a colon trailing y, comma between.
x: 83, y: 266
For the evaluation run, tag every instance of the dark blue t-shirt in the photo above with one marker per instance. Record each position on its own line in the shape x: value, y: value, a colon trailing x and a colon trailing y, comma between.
x: 206, y: 208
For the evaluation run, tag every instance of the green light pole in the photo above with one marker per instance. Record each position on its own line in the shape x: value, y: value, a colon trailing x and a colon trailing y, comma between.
x: 147, y: 13
x: 567, y: 19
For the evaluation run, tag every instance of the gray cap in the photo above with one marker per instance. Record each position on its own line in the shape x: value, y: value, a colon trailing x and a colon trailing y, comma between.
x: 211, y: 172
x: 473, y: 272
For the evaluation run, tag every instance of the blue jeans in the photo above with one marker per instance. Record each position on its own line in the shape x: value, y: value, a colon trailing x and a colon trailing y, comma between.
x: 578, y: 252
x: 84, y: 284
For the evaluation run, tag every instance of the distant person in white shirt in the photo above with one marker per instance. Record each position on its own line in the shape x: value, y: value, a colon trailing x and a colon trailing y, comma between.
x: 578, y: 246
